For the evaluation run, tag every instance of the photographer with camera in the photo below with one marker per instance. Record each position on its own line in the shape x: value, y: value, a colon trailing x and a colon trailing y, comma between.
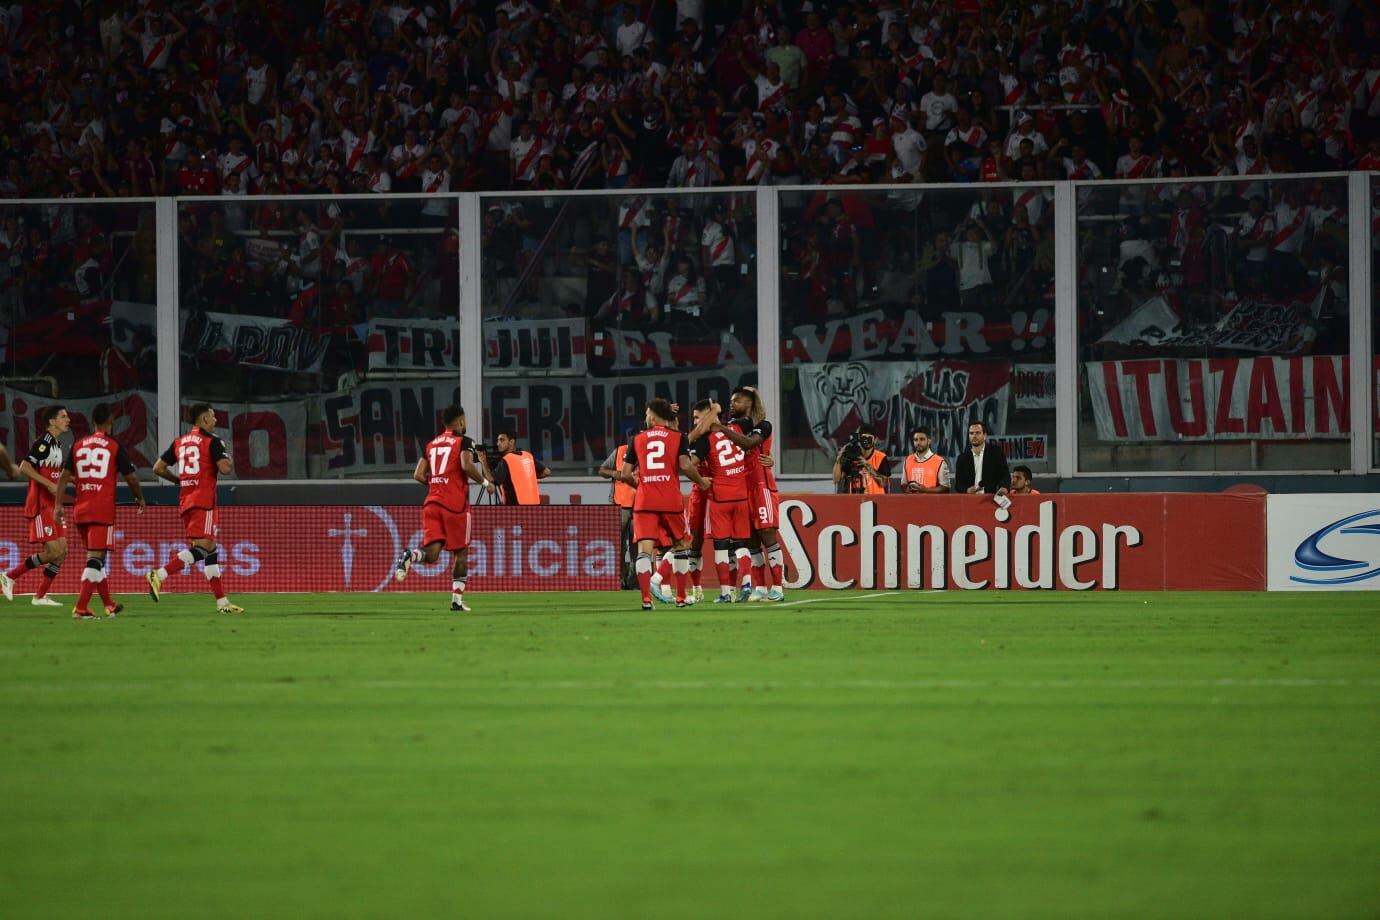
x: 515, y: 471
x: 860, y: 468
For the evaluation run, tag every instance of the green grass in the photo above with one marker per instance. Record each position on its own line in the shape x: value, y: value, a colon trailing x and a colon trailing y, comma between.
x: 917, y: 755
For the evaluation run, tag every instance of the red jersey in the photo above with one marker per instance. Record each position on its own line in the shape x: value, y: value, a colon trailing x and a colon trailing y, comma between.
x: 194, y: 456
x: 45, y: 456
x: 95, y: 462
x: 756, y: 472
x: 656, y: 454
x: 729, y: 464
x: 447, y: 484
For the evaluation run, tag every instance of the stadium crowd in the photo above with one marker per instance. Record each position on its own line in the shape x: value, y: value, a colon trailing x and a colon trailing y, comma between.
x: 236, y: 97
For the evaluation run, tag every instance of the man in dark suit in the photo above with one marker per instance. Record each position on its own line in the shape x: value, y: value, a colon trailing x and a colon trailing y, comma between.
x: 982, y: 467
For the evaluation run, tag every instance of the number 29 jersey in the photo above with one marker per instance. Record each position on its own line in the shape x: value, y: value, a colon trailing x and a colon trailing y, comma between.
x: 448, y: 485
x: 194, y: 456
x: 656, y: 454
x: 95, y: 462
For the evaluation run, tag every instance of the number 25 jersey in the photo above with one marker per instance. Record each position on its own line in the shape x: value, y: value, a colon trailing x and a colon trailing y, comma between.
x: 194, y: 456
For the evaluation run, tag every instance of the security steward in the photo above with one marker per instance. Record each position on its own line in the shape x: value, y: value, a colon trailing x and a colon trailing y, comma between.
x: 925, y: 471
x: 622, y: 493
x: 516, y: 472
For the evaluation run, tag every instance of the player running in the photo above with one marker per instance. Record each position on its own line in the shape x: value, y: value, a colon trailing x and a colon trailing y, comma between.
x: 729, y: 523
x: 768, y: 572
x: 92, y: 466
x: 660, y: 454
x: 446, y: 468
x: 42, y: 466
x: 200, y: 458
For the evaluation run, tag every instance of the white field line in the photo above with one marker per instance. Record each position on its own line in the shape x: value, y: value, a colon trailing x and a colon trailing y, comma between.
x: 821, y: 600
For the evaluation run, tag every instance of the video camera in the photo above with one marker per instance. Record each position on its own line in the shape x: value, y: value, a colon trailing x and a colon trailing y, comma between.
x: 851, y: 460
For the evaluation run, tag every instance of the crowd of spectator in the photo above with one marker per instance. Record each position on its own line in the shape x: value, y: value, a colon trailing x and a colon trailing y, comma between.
x: 239, y: 97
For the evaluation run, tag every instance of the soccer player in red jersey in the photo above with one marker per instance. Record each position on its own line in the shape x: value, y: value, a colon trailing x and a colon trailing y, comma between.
x: 769, y: 571
x: 42, y: 466
x: 92, y: 465
x: 446, y: 468
x: 200, y: 458
x: 695, y: 514
x: 729, y: 523
x: 660, y: 454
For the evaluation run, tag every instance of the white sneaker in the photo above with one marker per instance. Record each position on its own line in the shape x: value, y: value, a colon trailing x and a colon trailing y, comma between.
x: 776, y: 594
x: 44, y: 601
x: 699, y: 594
x: 760, y: 594
x: 7, y: 586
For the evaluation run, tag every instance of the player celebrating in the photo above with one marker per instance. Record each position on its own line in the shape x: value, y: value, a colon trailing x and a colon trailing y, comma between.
x: 661, y: 455
x: 92, y: 465
x: 42, y: 466
x: 695, y: 515
x: 446, y: 468
x: 729, y: 524
x: 768, y: 572
x: 200, y: 458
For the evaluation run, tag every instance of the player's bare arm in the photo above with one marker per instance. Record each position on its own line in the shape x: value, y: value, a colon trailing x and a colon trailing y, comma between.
x: 422, y: 473
x: 478, y: 472
x: 7, y: 464
x: 28, y: 470
x: 691, y: 472
x: 135, y: 486
x: 224, y: 466
x: 745, y: 441
x: 160, y: 469
x: 61, y: 494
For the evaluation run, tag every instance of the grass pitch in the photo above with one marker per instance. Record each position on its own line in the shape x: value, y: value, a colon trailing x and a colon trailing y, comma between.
x: 936, y: 755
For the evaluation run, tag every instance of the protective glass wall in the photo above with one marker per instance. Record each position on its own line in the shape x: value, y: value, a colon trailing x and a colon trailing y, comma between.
x: 595, y: 304
x: 908, y: 308
x: 1213, y: 325
x: 77, y: 306
x: 324, y: 331
x: 1375, y: 321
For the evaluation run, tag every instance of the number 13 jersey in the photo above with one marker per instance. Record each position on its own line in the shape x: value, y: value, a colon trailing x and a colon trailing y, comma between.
x: 95, y: 462
x: 194, y: 456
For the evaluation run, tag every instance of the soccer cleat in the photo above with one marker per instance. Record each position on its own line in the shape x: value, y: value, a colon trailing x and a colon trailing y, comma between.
x: 699, y: 594
x: 155, y: 585
x: 114, y: 608
x: 758, y: 594
x: 776, y: 594
x: 44, y: 601
x: 690, y: 599
x: 83, y: 615
x: 663, y: 593
x: 404, y: 565
x: 682, y: 604
x: 745, y: 593
x: 459, y: 607
x: 646, y: 605
x: 7, y: 586
x: 229, y: 608
x: 724, y: 599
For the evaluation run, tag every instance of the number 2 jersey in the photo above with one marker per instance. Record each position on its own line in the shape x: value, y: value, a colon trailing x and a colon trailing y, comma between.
x: 96, y: 462
x: 45, y: 455
x: 656, y: 453
x: 194, y: 456
x: 448, y: 485
x: 730, y: 467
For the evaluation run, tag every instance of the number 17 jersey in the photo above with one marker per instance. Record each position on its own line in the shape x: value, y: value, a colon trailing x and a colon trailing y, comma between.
x: 448, y: 485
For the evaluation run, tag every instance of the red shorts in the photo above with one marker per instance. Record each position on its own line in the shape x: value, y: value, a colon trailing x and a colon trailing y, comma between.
x: 663, y: 528
x: 694, y: 515
x: 729, y: 520
x: 449, y: 528
x: 44, y: 529
x: 97, y: 536
x: 199, y: 524
x: 765, y: 505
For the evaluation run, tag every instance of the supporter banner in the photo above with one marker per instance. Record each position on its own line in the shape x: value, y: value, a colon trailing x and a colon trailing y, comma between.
x: 943, y: 396
x: 1324, y: 542
x: 1220, y: 398
x: 1023, y: 448
x: 260, y: 342
x: 351, y: 548
x: 1251, y: 326
x: 266, y: 440
x: 133, y: 325
x: 900, y: 331
x: 1145, y: 542
x: 424, y: 344
x: 1033, y: 386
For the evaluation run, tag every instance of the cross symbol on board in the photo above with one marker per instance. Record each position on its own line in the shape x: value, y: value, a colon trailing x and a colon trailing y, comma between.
x: 347, y: 549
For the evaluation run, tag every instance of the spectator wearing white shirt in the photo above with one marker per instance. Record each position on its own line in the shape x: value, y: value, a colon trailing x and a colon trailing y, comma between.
x: 972, y: 250
x: 632, y: 34
x: 939, y: 106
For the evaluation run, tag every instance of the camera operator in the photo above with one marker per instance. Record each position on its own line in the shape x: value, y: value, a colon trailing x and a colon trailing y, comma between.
x: 925, y: 471
x: 516, y: 471
x: 860, y: 468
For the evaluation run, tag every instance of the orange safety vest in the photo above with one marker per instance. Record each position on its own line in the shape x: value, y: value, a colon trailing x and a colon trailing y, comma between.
x: 925, y: 472
x: 870, y: 485
x: 522, y: 477
x: 623, y: 494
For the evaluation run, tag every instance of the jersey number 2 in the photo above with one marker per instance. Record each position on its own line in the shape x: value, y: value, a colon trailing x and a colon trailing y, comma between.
x: 656, y: 455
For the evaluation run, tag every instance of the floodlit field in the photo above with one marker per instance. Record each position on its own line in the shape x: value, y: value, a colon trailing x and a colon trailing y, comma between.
x: 936, y: 755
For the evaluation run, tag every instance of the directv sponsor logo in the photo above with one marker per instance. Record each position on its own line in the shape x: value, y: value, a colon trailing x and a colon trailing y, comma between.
x: 1329, y: 566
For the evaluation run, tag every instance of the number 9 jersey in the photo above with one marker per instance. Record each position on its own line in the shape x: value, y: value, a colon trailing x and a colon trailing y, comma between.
x: 94, y: 463
x: 194, y: 456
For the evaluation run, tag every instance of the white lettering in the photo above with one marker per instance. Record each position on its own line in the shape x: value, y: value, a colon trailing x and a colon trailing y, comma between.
x: 795, y: 550
x: 964, y: 557
x: 867, y: 562
x: 1025, y: 536
x: 846, y: 537
x: 1070, y: 556
x: 1111, y: 553
x: 914, y: 572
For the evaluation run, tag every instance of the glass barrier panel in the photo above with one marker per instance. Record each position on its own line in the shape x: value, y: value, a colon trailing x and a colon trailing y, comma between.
x: 1213, y: 326
x: 1375, y: 321
x: 325, y: 332
x: 78, y: 288
x: 909, y: 309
